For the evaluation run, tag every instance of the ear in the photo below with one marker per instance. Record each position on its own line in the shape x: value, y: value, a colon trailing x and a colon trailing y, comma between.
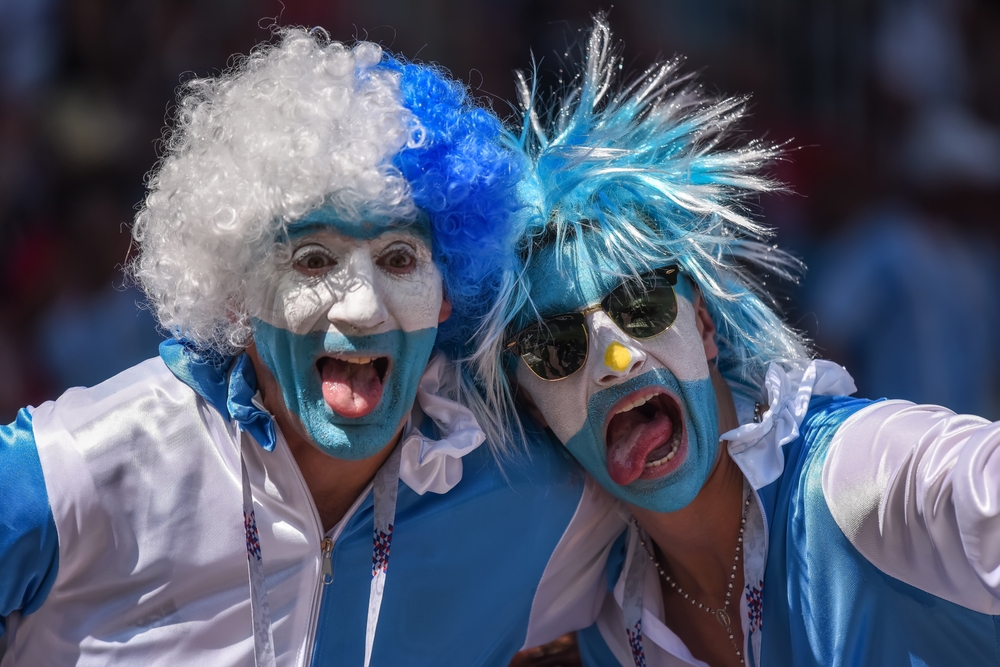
x: 706, y: 327
x: 445, y: 310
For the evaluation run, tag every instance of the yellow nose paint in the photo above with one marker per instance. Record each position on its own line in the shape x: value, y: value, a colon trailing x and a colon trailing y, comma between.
x: 617, y: 357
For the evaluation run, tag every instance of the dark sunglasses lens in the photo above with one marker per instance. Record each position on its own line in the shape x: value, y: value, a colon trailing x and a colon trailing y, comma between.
x: 555, y: 348
x: 645, y: 309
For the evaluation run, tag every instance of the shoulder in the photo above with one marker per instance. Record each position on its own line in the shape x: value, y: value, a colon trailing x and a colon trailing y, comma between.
x: 829, y: 413
x: 81, y: 459
x: 540, y: 480
x: 824, y: 423
x: 886, y: 436
x: 125, y: 441
x: 125, y: 395
x: 531, y: 520
x: 804, y: 457
x: 512, y: 505
x: 129, y: 412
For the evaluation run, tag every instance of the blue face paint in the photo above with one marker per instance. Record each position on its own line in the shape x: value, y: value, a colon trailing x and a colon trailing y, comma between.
x: 292, y: 358
x: 567, y: 282
x: 701, y: 429
x: 570, y: 287
x: 369, y: 228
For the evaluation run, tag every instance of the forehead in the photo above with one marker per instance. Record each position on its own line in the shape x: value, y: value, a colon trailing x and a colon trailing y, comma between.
x: 364, y: 229
x: 578, y: 275
x: 569, y: 278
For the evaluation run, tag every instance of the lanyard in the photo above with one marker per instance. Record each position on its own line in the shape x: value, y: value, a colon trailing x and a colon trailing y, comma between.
x: 260, y: 610
x: 635, y: 579
x: 384, y: 488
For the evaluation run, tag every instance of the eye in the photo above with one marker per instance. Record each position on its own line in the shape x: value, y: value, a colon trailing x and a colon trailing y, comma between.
x: 313, y: 259
x: 399, y: 259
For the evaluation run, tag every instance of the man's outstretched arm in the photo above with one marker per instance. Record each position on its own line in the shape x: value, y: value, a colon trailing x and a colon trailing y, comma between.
x: 916, y: 489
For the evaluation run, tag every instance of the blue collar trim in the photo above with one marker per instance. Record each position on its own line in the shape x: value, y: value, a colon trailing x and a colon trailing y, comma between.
x: 228, y: 384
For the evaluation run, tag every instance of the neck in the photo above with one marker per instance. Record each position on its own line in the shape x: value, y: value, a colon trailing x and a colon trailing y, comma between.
x: 697, y: 544
x: 333, y: 483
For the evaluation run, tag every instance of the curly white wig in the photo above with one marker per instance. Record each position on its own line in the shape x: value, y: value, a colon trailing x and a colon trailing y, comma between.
x: 293, y: 126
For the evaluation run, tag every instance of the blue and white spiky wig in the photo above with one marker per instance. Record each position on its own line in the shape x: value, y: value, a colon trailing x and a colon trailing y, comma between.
x: 306, y: 122
x: 652, y: 170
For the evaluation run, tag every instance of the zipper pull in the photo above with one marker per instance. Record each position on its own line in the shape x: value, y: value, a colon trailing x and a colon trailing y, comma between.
x: 326, y: 548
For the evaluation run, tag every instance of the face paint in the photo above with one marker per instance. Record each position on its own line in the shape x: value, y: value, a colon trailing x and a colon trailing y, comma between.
x: 348, y: 328
x: 680, y: 448
x: 641, y: 415
x: 292, y: 358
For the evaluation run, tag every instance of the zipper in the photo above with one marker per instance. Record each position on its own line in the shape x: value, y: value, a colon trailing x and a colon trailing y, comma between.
x: 326, y: 548
x: 325, y: 556
x: 326, y: 544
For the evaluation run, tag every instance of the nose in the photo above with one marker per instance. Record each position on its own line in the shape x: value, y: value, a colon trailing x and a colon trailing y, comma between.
x: 360, y: 306
x: 616, y: 354
x: 617, y: 357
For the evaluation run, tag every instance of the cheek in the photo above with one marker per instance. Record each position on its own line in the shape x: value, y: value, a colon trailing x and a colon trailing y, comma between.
x: 414, y: 302
x: 297, y: 305
x: 562, y: 403
x: 679, y: 349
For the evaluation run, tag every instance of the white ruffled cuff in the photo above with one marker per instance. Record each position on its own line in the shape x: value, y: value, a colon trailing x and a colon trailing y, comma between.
x: 436, y: 465
x: 757, y: 447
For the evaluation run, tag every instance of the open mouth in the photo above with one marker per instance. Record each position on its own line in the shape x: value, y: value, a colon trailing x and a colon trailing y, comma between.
x: 644, y: 436
x: 352, y: 386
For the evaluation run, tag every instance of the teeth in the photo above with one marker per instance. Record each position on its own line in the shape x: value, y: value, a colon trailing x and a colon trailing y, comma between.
x: 360, y: 360
x: 630, y: 406
x: 658, y: 462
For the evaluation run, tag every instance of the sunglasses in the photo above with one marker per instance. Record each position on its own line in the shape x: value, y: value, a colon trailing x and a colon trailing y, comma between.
x: 556, y: 347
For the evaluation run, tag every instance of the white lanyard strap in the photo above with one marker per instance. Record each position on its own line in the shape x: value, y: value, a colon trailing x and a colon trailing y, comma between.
x: 263, y: 640
x: 385, y: 488
x: 635, y: 579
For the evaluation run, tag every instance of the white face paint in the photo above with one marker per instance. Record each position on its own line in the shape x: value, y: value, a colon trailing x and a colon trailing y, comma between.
x: 348, y: 327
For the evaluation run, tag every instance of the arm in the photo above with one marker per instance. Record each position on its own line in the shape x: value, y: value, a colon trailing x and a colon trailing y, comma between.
x: 29, y: 546
x: 916, y: 489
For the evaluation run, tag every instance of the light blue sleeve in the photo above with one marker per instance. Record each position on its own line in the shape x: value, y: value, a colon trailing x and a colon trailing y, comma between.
x: 29, y: 546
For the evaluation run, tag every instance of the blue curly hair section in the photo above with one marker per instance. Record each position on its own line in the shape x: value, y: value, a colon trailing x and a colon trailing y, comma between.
x: 464, y: 180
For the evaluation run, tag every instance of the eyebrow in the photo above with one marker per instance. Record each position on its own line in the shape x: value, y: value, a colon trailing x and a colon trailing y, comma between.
x: 363, y: 230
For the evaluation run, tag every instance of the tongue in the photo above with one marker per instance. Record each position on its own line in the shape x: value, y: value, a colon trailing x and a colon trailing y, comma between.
x: 351, y: 390
x: 631, y: 437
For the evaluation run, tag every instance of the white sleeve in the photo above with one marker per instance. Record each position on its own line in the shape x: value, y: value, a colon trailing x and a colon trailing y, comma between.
x: 916, y: 489
x: 574, y: 583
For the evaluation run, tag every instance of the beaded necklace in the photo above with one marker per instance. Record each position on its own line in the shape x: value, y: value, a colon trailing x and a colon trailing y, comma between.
x: 720, y: 613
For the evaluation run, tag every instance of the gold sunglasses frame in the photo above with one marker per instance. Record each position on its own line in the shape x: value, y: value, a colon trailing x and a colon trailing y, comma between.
x: 670, y: 272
